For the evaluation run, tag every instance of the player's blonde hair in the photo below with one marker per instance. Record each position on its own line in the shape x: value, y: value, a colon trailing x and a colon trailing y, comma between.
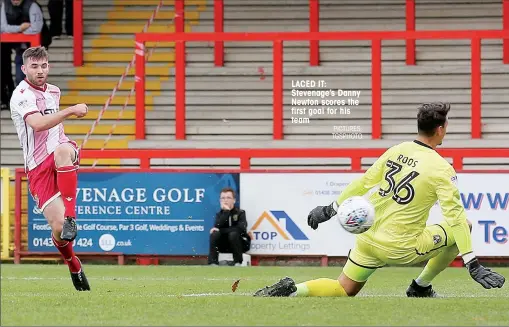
x: 35, y: 53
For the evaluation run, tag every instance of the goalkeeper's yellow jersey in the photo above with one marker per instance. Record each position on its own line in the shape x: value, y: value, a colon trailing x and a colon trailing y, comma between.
x: 410, y: 178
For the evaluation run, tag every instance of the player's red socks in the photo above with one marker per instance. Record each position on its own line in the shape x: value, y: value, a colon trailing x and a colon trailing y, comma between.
x: 65, y: 249
x: 67, y: 181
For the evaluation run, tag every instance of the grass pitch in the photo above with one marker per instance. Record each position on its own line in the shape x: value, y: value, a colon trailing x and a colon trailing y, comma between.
x: 34, y: 295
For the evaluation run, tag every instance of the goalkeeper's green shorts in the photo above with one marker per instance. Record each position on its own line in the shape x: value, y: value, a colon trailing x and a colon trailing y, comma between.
x: 366, y: 256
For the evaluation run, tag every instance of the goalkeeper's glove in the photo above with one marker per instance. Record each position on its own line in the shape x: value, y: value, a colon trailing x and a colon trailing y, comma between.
x: 484, y: 276
x: 321, y: 214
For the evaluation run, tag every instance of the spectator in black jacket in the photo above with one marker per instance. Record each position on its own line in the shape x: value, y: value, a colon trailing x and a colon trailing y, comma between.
x: 22, y: 16
x: 229, y: 234
x: 56, y: 14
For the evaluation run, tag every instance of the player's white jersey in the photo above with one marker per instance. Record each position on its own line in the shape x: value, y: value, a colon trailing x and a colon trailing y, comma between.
x: 29, y: 99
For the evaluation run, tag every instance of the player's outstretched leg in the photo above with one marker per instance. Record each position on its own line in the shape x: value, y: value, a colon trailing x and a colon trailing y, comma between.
x: 54, y: 213
x: 78, y: 277
x: 353, y: 278
x: 322, y: 287
x: 416, y: 290
x: 283, y: 288
x: 67, y: 181
x: 421, y: 286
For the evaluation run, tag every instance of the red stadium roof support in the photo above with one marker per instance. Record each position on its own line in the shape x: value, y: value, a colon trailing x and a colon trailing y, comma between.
x: 278, y: 38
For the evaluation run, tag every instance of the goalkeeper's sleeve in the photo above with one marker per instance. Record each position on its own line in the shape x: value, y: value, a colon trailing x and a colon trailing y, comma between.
x: 454, y: 212
x: 372, y: 177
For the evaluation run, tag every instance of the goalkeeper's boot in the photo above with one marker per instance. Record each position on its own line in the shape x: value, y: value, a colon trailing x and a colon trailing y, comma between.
x: 284, y: 288
x: 414, y: 290
x: 80, y: 280
x: 69, y: 230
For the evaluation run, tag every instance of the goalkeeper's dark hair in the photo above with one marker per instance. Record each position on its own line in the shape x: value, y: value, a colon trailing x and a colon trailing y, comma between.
x: 430, y: 116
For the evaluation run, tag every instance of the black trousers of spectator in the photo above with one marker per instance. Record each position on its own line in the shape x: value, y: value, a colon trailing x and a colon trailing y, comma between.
x: 7, y: 82
x: 56, y: 13
x: 225, y: 242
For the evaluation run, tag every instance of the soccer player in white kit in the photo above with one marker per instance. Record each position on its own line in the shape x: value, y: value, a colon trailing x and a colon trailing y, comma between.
x: 51, y: 158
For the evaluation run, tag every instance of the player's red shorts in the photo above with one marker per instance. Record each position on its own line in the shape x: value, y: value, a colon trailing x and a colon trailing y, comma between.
x: 42, y: 180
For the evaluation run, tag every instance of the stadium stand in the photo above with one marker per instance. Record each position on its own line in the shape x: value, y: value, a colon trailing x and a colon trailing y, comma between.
x: 231, y: 106
x: 108, y: 48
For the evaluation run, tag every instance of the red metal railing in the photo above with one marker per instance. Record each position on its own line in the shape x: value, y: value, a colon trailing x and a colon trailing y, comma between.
x: 277, y: 40
x: 314, y: 26
x: 179, y: 16
x: 219, y: 28
x: 33, y: 39
x: 505, y: 27
x: 245, y: 156
x: 410, y: 26
x: 78, y: 32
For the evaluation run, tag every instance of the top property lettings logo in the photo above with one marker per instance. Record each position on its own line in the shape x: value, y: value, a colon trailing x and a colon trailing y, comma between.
x: 281, y: 225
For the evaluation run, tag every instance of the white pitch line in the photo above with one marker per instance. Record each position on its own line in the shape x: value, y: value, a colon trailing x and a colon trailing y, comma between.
x: 112, y: 294
x: 223, y: 294
x: 139, y: 279
x: 365, y: 295
x: 209, y: 294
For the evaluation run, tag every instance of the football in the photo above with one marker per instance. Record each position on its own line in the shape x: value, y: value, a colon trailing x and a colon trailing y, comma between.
x: 356, y: 214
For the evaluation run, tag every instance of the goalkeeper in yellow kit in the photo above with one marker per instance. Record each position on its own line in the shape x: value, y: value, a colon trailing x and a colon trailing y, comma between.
x: 410, y: 177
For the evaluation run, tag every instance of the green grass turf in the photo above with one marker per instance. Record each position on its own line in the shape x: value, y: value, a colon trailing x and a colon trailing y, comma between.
x: 194, y: 295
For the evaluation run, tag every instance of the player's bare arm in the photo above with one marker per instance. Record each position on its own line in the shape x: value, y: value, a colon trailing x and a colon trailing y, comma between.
x: 41, y: 122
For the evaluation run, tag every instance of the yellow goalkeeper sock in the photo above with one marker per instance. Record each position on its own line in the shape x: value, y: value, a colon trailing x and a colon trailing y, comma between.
x: 320, y: 287
x: 436, y: 265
